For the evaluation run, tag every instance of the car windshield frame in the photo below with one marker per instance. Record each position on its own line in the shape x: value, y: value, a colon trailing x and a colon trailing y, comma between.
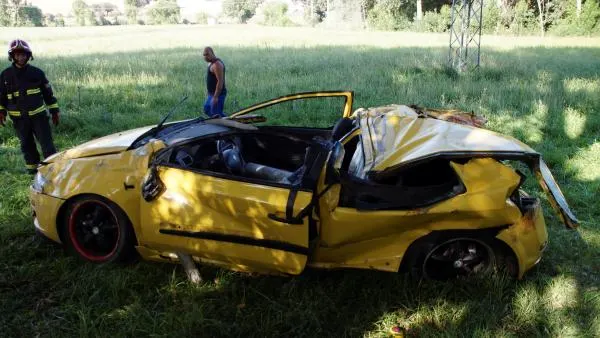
x: 348, y: 103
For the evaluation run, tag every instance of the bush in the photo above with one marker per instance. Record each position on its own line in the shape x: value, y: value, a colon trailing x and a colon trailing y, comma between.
x: 587, y: 24
x: 523, y: 21
x: 90, y: 18
x: 51, y: 20
x: 164, y: 12
x: 344, y: 15
x: 275, y: 14
x: 492, y: 18
x: 381, y: 17
x: 241, y: 10
x: 436, y: 22
x: 202, y: 18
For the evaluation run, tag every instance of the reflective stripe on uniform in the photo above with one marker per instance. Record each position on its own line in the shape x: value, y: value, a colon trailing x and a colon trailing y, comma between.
x: 39, y: 110
x: 32, y: 112
x: 33, y: 91
x: 55, y: 105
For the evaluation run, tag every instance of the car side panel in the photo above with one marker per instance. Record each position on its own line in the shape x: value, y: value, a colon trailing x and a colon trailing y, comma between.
x: 361, y: 236
x: 45, y: 209
x: 527, y: 238
x: 382, y: 253
x: 113, y: 176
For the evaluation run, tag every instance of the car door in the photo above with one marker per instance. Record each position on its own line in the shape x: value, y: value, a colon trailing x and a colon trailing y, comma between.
x: 309, y: 109
x: 243, y: 224
x: 224, y: 220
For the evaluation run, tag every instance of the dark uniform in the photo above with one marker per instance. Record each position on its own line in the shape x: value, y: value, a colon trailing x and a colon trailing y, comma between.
x: 26, y: 95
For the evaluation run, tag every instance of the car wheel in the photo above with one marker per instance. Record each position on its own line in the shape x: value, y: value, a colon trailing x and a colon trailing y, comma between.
x: 460, y: 257
x: 98, y: 231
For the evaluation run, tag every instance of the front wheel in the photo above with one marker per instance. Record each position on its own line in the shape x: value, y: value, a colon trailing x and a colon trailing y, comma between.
x: 98, y: 231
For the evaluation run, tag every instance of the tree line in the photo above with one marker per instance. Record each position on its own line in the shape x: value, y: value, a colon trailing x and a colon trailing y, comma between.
x: 518, y: 17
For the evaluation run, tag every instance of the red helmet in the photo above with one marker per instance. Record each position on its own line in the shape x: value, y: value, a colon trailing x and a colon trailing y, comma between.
x: 18, y: 45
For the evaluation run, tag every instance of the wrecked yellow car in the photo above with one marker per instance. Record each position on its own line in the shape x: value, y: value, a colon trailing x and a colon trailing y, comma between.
x: 393, y: 188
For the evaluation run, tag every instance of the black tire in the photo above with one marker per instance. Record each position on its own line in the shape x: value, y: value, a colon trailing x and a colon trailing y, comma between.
x: 451, y: 257
x: 98, y: 231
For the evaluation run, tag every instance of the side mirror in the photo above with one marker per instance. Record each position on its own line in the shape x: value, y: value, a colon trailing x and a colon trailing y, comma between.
x: 334, y: 163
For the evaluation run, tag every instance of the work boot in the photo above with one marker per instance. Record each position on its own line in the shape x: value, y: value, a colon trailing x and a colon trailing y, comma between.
x: 31, y: 168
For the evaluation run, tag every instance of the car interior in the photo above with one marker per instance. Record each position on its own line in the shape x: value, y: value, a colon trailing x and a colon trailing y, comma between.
x: 273, y: 154
x: 282, y: 155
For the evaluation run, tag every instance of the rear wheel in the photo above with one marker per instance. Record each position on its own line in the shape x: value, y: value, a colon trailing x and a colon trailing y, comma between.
x: 97, y: 230
x: 461, y: 257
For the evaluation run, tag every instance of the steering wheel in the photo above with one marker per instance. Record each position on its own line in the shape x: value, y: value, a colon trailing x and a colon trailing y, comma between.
x: 229, y: 150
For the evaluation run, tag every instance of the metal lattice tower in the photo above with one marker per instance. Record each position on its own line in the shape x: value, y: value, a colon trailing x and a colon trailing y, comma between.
x: 465, y: 34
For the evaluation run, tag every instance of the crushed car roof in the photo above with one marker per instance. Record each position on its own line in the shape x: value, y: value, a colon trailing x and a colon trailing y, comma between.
x: 396, y: 134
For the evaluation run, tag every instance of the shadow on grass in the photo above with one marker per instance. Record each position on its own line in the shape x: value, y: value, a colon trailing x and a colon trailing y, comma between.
x: 43, y: 291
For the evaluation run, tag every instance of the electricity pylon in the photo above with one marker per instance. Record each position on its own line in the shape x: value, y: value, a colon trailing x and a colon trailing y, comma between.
x: 465, y: 34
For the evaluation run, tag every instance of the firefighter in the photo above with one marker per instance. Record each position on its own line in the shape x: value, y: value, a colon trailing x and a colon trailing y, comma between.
x: 26, y: 96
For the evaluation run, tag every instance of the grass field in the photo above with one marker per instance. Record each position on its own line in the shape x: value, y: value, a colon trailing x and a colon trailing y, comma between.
x: 544, y: 92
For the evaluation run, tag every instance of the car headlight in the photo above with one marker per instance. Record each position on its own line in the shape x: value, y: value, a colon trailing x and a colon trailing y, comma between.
x: 39, y: 182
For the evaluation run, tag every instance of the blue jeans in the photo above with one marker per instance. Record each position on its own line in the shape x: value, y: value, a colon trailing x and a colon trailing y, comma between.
x: 215, y: 110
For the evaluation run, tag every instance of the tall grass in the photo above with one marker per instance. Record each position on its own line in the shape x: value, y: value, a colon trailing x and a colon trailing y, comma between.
x: 544, y: 92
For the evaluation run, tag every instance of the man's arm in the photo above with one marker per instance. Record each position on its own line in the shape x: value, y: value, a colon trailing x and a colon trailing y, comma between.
x: 3, y: 100
x: 48, y: 94
x: 217, y: 69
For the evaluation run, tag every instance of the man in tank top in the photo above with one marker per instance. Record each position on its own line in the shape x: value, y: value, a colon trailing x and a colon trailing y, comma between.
x: 215, y: 84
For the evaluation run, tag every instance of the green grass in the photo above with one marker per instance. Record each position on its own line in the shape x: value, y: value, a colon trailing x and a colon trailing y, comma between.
x: 544, y: 92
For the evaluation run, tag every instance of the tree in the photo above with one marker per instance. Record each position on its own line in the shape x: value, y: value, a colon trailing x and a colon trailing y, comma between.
x: 4, y: 13
x: 202, y: 18
x: 80, y: 10
x: 52, y: 20
x: 345, y: 14
x: 314, y: 10
x: 241, y: 10
x: 131, y: 8
x: 104, y: 9
x: 13, y: 9
x: 543, y: 10
x: 164, y: 12
x: 30, y: 16
x: 90, y: 18
x: 390, y: 14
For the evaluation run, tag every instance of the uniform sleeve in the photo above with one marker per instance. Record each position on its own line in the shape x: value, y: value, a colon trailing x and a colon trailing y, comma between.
x: 48, y: 94
x: 3, y: 97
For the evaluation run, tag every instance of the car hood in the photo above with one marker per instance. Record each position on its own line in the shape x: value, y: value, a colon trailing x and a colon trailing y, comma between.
x: 110, y: 144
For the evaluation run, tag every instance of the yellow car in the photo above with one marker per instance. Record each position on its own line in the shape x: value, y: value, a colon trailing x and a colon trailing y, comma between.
x: 394, y: 188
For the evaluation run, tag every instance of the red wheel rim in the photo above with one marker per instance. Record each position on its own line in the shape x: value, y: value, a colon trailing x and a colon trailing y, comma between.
x: 94, y: 230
